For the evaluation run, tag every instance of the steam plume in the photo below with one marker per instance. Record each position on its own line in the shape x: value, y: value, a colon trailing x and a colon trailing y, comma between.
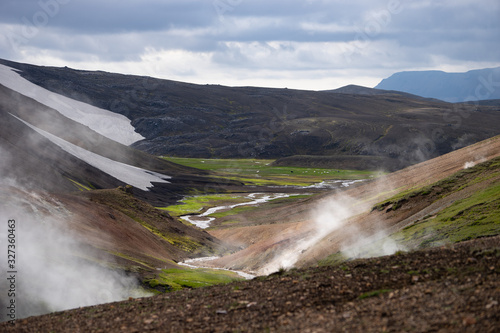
x: 336, y: 218
x: 329, y: 216
x: 55, y: 271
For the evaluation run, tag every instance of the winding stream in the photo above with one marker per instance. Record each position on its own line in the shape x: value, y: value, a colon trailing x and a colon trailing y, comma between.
x: 189, y: 262
x: 204, y: 220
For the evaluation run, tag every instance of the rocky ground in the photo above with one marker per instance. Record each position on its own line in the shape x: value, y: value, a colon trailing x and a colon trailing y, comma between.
x: 444, y: 289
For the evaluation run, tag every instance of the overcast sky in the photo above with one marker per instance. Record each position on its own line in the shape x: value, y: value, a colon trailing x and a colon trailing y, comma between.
x: 306, y: 44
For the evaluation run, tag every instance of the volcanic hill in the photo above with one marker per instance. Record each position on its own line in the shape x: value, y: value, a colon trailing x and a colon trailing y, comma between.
x: 383, y: 129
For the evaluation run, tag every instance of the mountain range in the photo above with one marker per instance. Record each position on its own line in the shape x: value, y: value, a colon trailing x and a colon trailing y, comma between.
x: 474, y: 85
x: 353, y: 127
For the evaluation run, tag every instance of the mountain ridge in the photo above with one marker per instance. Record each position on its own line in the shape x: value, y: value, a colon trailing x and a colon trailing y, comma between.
x: 211, y: 121
x: 474, y: 85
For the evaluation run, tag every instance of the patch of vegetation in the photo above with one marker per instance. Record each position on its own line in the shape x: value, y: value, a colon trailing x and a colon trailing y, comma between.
x: 334, y: 260
x: 472, y: 217
x: 177, y: 279
x: 182, y: 242
x: 456, y: 182
x: 198, y: 204
x: 261, y: 172
x: 233, y: 211
x: 142, y: 263
x: 230, y: 222
x: 80, y: 186
x: 150, y: 218
x: 195, y: 204
x: 477, y: 215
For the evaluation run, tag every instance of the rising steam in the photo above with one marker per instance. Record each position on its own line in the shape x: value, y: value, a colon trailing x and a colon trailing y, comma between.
x: 333, y: 216
x: 329, y: 216
x: 55, y: 271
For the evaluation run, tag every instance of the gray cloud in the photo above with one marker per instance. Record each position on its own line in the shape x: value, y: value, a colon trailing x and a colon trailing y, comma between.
x: 111, y: 16
x: 312, y: 34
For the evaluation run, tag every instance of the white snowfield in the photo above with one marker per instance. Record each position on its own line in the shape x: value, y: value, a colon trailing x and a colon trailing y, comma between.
x: 109, y: 124
x: 137, y: 177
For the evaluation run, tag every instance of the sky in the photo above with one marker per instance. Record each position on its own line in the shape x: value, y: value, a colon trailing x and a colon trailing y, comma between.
x: 307, y: 44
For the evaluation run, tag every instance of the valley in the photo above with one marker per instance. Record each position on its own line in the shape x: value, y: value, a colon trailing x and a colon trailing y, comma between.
x: 265, y: 180
x: 337, y: 203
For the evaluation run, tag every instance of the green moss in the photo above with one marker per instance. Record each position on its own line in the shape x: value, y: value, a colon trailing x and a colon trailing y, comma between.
x: 198, y: 204
x: 140, y: 262
x: 333, y: 260
x: 475, y: 216
x: 176, y: 279
x: 456, y: 182
x: 142, y: 213
x: 234, y: 211
x: 80, y: 186
x: 231, y: 222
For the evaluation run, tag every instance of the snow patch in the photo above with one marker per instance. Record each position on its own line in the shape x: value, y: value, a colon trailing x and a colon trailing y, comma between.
x: 109, y: 124
x: 137, y: 177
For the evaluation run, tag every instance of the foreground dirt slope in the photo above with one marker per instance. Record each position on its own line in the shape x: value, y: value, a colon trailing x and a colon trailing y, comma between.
x: 448, y: 289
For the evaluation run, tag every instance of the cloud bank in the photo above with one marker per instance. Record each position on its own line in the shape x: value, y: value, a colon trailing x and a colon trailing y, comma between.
x: 312, y: 44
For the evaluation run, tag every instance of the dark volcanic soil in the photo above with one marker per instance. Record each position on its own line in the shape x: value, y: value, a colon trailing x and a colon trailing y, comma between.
x: 349, y: 127
x: 447, y: 289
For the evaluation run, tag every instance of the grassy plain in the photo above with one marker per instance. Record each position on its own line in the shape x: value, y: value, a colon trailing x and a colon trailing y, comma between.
x: 262, y: 172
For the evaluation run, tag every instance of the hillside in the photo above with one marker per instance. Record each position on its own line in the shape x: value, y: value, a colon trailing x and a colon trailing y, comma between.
x: 320, y: 226
x: 84, y: 207
x: 438, y: 279
x: 388, y: 130
x: 36, y: 157
x: 360, y: 90
x: 100, y: 221
x: 481, y: 84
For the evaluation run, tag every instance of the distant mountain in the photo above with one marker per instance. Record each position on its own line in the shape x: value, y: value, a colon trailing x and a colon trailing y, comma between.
x: 481, y: 84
